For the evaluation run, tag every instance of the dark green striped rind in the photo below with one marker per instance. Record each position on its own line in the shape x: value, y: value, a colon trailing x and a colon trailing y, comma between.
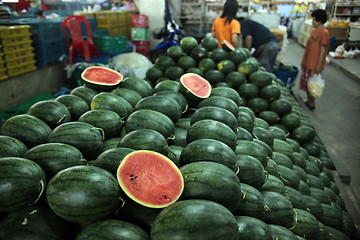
x: 278, y: 209
x: 162, y: 104
x: 222, y: 102
x: 138, y: 85
x: 112, y: 229
x: 178, y: 97
x: 227, y: 92
x: 253, y: 149
x: 145, y: 139
x: 274, y: 184
x: 212, y: 129
x: 53, y: 113
x: 272, y: 168
x: 83, y: 136
x: 295, y: 197
x: 215, y: 113
x: 306, y: 225
x: 277, y: 132
x: 11, y: 147
x: 208, y: 150
x: 349, y: 227
x: 253, y: 228
x: 109, y: 121
x: 110, y: 143
x: 129, y: 95
x: 84, y: 92
x: 299, y: 160
x: 179, y: 137
x: 183, y: 123
x: 193, y: 220
x: 251, y: 170
x: 28, y: 129
x: 150, y: 119
x: 332, y: 216
x: 111, y: 159
x: 313, y: 206
x: 22, y: 183
x: 252, y: 202
x: 53, y: 157
x: 314, y: 181
x: 282, y: 159
x: 83, y: 194
x: 289, y: 177
x: 76, y: 105
x: 167, y: 85
x: 211, y: 181
x: 281, y: 233
x: 336, y: 234
x: 282, y: 147
x: 320, y: 195
x: 243, y: 134
x: 111, y: 101
x: 34, y: 222
x: 301, y: 173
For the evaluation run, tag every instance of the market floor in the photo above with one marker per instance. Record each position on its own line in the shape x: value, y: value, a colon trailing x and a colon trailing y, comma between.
x: 336, y: 120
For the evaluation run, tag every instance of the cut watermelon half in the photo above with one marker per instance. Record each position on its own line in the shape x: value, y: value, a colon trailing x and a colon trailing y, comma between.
x: 101, y: 78
x: 227, y: 46
x: 194, y: 87
x: 150, y: 179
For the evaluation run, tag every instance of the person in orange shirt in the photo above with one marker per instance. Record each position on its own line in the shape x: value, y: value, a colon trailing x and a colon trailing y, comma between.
x: 226, y: 27
x: 313, y: 61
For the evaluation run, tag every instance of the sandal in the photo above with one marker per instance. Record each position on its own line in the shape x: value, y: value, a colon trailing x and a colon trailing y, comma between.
x: 310, y: 106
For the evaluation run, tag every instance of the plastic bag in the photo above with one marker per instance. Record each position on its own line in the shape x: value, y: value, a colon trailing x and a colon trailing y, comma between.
x: 316, y: 85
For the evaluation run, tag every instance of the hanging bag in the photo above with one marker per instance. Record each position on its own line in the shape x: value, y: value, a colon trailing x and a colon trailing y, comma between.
x: 316, y: 85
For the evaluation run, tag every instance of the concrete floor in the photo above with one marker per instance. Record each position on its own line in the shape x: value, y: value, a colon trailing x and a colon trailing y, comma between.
x: 336, y: 120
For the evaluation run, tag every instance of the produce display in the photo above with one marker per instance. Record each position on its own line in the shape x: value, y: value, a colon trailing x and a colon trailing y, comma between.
x: 208, y: 146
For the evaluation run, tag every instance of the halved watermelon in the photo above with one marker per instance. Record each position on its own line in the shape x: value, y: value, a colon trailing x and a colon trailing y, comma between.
x: 194, y: 87
x: 101, y: 78
x: 150, y: 179
x: 227, y: 46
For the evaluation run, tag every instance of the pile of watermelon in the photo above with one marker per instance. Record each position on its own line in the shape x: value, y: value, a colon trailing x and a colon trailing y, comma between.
x: 208, y: 146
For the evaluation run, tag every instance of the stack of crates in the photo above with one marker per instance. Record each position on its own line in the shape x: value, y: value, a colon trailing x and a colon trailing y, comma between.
x: 139, y: 33
x: 17, y: 52
x: 115, y: 22
x: 48, y: 40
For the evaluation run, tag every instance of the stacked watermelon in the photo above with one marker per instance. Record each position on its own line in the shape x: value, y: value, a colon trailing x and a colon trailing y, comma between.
x: 251, y: 165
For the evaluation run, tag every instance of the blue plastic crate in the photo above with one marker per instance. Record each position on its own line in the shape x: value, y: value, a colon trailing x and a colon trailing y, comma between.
x: 43, y: 30
x: 49, y: 52
x: 287, y: 77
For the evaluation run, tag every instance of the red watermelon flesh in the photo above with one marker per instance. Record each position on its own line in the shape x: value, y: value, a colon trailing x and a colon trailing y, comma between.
x: 227, y: 46
x: 101, y: 76
x: 150, y: 179
x: 196, y: 84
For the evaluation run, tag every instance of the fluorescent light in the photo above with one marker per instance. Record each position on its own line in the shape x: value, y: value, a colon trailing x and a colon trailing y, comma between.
x: 10, y: 1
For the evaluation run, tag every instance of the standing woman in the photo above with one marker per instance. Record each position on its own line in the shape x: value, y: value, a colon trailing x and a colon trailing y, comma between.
x: 226, y: 27
x: 313, y: 61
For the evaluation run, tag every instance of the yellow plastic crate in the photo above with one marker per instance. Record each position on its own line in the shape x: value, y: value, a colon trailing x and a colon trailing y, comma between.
x: 14, y: 40
x: 20, y: 61
x: 3, y: 74
x: 17, y: 54
x: 105, y: 19
x: 118, y: 31
x: 10, y: 48
x: 87, y: 14
x: 23, y: 68
x: 14, y: 31
x: 121, y: 18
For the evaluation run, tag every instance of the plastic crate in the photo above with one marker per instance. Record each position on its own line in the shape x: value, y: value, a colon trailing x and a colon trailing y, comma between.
x: 139, y: 34
x: 49, y: 52
x: 14, y: 31
x: 20, y: 61
x: 110, y: 44
x: 24, y: 68
x: 16, y: 39
x: 121, y: 18
x: 10, y: 48
x: 287, y: 77
x: 44, y: 30
x: 3, y: 74
x: 17, y: 54
x: 105, y: 19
